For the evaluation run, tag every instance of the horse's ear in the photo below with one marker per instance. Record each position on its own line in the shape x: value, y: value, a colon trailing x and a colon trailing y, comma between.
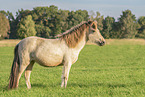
x: 94, y: 25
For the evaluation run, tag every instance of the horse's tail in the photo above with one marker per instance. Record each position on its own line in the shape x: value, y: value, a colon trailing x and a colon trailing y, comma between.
x: 14, y: 70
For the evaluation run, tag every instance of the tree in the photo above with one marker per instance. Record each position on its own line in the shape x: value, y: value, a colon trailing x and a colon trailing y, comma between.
x: 26, y: 27
x: 63, y: 21
x: 40, y: 15
x: 8, y: 14
x: 76, y: 17
x: 4, y: 26
x: 141, y: 30
x: 53, y: 20
x: 127, y: 25
x: 14, y: 21
x: 50, y: 21
x: 108, y: 25
x: 42, y: 31
x: 13, y: 25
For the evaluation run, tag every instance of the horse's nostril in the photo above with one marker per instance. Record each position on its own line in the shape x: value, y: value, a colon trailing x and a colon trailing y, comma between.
x: 102, y: 43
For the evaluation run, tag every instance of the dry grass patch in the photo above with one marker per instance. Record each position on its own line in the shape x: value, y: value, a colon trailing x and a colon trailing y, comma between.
x: 9, y: 42
x: 123, y: 42
x: 13, y: 42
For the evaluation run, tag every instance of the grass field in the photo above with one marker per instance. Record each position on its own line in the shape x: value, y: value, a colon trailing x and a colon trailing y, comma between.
x: 116, y: 69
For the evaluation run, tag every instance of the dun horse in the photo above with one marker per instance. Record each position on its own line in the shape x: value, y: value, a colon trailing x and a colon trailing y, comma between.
x: 63, y: 50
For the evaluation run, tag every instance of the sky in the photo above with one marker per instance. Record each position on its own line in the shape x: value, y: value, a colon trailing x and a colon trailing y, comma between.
x: 111, y: 8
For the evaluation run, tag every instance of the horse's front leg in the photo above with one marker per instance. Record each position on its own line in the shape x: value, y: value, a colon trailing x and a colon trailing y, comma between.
x: 65, y: 73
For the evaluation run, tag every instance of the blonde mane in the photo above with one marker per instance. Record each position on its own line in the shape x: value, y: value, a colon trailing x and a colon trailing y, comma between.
x: 74, y: 35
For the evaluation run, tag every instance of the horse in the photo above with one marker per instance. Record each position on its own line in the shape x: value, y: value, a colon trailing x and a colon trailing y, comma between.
x: 61, y: 51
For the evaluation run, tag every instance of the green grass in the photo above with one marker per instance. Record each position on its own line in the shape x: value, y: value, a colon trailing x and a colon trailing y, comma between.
x: 111, y: 70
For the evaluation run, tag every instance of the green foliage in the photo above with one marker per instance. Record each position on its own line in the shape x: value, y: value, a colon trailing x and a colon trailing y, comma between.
x: 141, y: 30
x: 8, y: 14
x: 42, y: 31
x: 4, y: 26
x: 108, y: 71
x: 128, y: 25
x: 54, y: 21
x: 26, y: 27
x: 108, y: 27
x: 58, y: 20
x: 63, y: 20
x: 77, y: 17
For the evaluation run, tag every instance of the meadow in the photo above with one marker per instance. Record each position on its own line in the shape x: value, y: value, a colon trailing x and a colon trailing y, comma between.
x: 116, y: 69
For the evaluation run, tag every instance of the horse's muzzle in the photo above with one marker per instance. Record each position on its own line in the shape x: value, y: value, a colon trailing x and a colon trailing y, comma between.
x: 101, y: 43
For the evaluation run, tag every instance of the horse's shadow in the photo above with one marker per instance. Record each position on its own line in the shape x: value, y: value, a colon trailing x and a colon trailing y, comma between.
x: 41, y: 85
x: 38, y: 85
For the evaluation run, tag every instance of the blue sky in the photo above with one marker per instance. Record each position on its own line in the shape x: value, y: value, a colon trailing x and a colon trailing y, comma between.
x: 112, y: 8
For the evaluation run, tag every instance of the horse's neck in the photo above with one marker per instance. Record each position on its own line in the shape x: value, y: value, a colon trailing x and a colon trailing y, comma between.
x: 81, y: 43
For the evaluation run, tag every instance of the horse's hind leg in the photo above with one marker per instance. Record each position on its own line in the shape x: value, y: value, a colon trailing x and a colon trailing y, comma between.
x: 27, y: 74
x: 21, y: 70
x: 23, y: 65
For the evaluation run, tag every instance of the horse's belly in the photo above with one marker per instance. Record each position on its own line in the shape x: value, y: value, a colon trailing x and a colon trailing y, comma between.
x: 49, y: 60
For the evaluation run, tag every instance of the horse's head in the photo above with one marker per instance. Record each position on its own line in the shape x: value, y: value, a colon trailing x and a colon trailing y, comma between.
x: 94, y: 34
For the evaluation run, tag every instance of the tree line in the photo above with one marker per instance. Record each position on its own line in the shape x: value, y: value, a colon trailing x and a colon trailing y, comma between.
x: 49, y: 21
